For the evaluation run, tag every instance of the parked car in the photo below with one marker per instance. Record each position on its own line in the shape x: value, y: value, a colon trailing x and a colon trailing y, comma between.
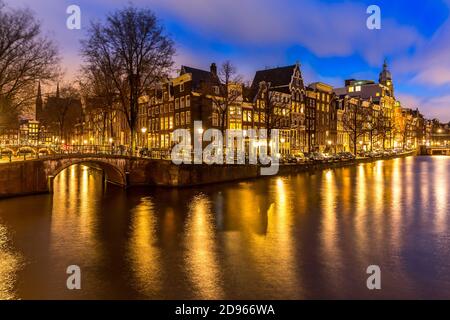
x: 318, y: 157
x: 291, y: 159
x: 334, y: 157
x: 300, y: 157
x: 346, y: 156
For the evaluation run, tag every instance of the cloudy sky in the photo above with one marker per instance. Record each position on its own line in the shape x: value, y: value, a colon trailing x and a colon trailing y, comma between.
x: 329, y: 38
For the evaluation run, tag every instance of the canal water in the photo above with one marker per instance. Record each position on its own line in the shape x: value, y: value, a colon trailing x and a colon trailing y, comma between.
x: 305, y: 236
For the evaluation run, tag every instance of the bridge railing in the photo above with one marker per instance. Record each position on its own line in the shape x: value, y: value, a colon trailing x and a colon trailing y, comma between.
x: 9, y: 153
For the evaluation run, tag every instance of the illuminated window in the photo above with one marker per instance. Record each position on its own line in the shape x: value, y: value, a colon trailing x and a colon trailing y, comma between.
x: 182, y: 118
x: 351, y: 89
x: 188, y: 117
x: 358, y: 88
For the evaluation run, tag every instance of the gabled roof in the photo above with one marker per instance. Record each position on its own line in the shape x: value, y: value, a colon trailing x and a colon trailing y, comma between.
x: 198, y: 75
x: 280, y: 78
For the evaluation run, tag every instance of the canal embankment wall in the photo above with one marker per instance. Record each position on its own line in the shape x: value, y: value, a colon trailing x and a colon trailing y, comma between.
x: 37, y: 176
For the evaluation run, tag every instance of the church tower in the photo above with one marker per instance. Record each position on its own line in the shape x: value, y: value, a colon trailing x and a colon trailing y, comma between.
x: 39, y: 103
x: 57, y: 90
x: 386, y: 78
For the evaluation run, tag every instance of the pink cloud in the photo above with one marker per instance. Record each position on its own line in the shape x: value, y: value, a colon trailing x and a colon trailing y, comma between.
x: 437, y: 107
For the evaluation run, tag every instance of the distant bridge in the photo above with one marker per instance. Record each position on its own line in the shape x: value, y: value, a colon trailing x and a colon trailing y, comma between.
x: 435, y: 150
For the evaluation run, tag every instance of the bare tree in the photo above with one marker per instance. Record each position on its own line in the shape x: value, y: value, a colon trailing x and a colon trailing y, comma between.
x: 132, y: 49
x: 225, y: 91
x: 275, y: 109
x: 387, y: 126
x: 8, y: 114
x: 405, y: 127
x: 101, y: 98
x: 374, y: 123
x: 62, y: 112
x: 355, y: 120
x: 26, y: 56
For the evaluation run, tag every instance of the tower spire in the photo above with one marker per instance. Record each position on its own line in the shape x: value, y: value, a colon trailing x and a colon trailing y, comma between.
x: 386, y: 77
x: 39, y: 103
x: 57, y: 89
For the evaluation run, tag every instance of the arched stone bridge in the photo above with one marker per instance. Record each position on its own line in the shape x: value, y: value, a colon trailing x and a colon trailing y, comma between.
x: 37, y: 176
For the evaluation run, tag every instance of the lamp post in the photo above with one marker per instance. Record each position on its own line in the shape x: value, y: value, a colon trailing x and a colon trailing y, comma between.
x: 144, y: 131
x: 330, y: 144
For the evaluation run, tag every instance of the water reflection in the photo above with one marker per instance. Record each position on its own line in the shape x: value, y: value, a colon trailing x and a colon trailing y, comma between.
x: 202, y: 265
x: 310, y: 235
x: 145, y: 255
x: 10, y: 263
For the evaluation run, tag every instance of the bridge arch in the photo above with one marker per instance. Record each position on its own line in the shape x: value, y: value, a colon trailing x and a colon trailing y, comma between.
x: 7, y: 150
x: 26, y: 149
x: 112, y: 173
x: 48, y: 150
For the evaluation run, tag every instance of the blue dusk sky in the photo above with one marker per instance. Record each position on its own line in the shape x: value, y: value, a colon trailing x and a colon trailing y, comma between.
x: 329, y: 39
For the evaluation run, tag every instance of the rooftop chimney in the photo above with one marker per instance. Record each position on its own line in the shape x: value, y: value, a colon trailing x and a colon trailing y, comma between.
x: 213, y: 69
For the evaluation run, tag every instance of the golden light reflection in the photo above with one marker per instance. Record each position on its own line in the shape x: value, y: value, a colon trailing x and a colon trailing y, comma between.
x: 145, y: 255
x: 203, y: 268
x: 75, y: 215
x: 361, y: 212
x: 441, y: 185
x: 329, y: 227
x: 378, y: 203
x: 279, y: 243
x: 10, y: 264
x: 395, y: 203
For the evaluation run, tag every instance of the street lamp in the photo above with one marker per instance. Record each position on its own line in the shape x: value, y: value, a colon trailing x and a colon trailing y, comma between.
x: 143, y: 130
